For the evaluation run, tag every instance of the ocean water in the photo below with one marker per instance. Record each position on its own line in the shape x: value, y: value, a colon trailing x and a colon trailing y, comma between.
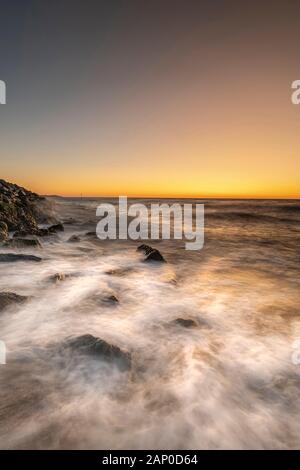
x: 228, y: 382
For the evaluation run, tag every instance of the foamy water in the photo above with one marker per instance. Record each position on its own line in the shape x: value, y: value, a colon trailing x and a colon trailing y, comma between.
x: 228, y: 382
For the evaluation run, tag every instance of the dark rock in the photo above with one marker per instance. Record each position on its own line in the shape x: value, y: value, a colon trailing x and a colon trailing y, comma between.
x: 151, y: 254
x: 69, y: 221
x: 3, y: 227
x: 120, y: 271
x: 23, y: 242
x: 10, y: 298
x: 57, y: 277
x: 110, y: 299
x: 74, y: 239
x: 3, y: 231
x: 90, y: 234
x: 96, y: 347
x: 21, y: 233
x: 12, y: 257
x: 185, y: 322
x: 18, y: 207
x: 56, y: 228
x: 43, y: 232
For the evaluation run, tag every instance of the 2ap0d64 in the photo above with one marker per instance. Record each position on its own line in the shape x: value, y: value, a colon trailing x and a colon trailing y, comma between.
x: 171, y: 459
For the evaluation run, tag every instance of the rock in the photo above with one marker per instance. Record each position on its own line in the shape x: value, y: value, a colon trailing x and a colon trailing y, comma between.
x: 23, y: 242
x: 110, y: 299
x: 151, y: 254
x: 12, y: 257
x: 57, y: 277
x: 40, y: 232
x: 185, y: 322
x: 96, y: 347
x: 3, y: 227
x: 18, y: 207
x: 74, y: 238
x: 43, y: 232
x: 56, y: 228
x: 10, y: 298
x: 69, y: 221
x: 3, y: 231
x: 90, y: 234
x: 120, y: 271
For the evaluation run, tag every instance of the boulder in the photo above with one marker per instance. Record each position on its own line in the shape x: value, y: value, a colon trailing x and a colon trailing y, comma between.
x: 74, y: 239
x: 90, y: 234
x: 3, y: 231
x: 151, y: 254
x: 69, y: 221
x: 91, y: 346
x: 10, y: 298
x: 56, y: 228
x: 24, y: 242
x: 110, y: 299
x: 12, y: 257
x: 18, y: 207
x: 57, y: 277
x: 185, y: 322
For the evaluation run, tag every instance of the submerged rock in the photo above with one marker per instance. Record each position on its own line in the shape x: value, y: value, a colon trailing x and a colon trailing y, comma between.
x: 12, y: 257
x: 110, y: 299
x: 96, y: 347
x: 58, y: 277
x: 10, y: 298
x: 152, y: 254
x: 23, y: 242
x: 74, y: 239
x: 56, y: 228
x: 90, y: 234
x: 185, y: 322
x: 69, y: 221
x: 39, y: 232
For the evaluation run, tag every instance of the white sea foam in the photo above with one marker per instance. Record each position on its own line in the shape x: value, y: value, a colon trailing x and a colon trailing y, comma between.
x: 228, y: 382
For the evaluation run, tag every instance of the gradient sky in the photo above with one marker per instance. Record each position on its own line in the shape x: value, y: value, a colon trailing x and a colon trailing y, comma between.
x: 157, y: 98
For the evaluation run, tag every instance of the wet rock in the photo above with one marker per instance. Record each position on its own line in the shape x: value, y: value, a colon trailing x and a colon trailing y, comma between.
x: 90, y: 234
x: 3, y: 231
x: 120, y: 272
x: 24, y: 242
x: 57, y: 277
x: 56, y: 228
x: 43, y: 232
x: 110, y: 299
x: 185, y: 322
x: 98, y: 348
x: 39, y: 232
x: 74, y: 239
x: 12, y: 257
x: 151, y: 254
x: 69, y: 221
x: 18, y: 207
x: 10, y: 298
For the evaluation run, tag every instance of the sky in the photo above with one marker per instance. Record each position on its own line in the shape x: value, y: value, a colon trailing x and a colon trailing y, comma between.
x: 160, y: 98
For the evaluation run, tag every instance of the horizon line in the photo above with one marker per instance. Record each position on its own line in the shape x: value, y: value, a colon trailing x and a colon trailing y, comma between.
x: 294, y: 198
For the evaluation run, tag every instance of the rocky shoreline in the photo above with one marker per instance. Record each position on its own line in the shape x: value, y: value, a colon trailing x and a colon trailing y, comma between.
x: 22, y: 213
